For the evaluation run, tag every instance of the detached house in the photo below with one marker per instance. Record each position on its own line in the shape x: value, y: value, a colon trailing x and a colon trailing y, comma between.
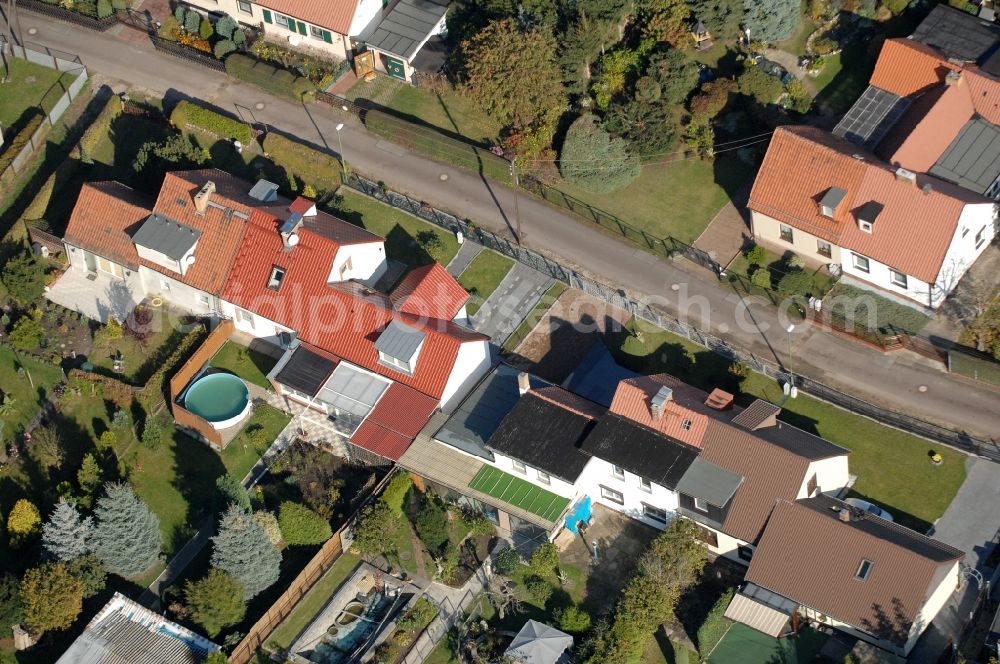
x: 374, y: 363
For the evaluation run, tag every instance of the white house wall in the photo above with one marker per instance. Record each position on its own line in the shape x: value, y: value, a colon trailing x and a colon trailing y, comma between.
x: 161, y: 259
x: 600, y: 472
x: 728, y: 545
x: 831, y: 476
x: 939, y: 592
x: 367, y: 262
x: 363, y: 15
x: 963, y: 251
x: 262, y: 328
x: 555, y: 485
x: 176, y: 292
x: 473, y: 361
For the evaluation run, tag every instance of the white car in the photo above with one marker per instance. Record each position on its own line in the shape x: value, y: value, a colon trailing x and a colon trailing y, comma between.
x: 871, y: 508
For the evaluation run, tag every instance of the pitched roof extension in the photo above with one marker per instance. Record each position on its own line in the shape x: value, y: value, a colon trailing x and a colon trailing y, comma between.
x: 429, y: 291
x: 681, y: 419
x: 335, y: 15
x: 103, y: 218
x: 394, y: 422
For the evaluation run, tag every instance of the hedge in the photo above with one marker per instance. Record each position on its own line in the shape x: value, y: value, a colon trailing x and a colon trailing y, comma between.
x: 22, y: 138
x: 155, y: 387
x: 278, y: 81
x: 313, y: 167
x: 716, y: 624
x: 99, y: 128
x: 187, y: 113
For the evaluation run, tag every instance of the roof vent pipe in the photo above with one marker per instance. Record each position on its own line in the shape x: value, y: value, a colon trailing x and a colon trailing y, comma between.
x: 523, y: 383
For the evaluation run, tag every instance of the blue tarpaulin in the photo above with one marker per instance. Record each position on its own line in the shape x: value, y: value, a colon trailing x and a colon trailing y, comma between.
x: 582, y: 511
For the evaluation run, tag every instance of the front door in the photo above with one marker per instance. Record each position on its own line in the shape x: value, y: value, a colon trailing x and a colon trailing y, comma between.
x: 395, y: 68
x: 90, y: 261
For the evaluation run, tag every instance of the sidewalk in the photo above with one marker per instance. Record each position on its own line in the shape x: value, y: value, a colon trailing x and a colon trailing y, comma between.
x: 901, y: 381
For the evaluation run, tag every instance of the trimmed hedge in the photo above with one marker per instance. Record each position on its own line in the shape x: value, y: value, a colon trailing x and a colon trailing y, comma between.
x: 187, y: 113
x: 317, y: 168
x: 22, y: 138
x: 716, y: 624
x: 99, y: 128
x: 277, y: 81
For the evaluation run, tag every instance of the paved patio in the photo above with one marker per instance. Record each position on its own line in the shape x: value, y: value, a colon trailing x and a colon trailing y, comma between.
x: 97, y: 296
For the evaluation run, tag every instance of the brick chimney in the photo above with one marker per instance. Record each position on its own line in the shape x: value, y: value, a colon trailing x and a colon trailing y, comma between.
x: 523, y: 383
x: 203, y: 196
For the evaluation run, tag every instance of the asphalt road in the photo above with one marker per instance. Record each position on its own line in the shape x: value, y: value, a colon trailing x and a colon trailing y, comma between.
x: 902, y: 381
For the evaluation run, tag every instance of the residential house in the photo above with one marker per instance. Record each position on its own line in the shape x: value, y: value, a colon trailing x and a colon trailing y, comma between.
x: 375, y: 363
x: 125, y: 631
x: 907, y: 235
x: 825, y: 561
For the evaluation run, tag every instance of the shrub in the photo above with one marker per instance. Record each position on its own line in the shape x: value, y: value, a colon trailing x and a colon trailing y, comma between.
x: 24, y: 278
x: 215, y: 601
x: 278, y: 81
x: 538, y: 589
x: 192, y: 21
x: 187, y: 113
x: 761, y: 278
x: 232, y: 492
x: 10, y: 600
x: 224, y: 47
x: 89, y: 571
x: 756, y: 83
x: 479, y: 524
x: 300, y: 526
x: 226, y: 26
x: 715, y: 625
x: 27, y: 334
x: 52, y: 597
x: 572, y: 619
x: 104, y: 8
x: 374, y: 530
x: 98, y: 129
x: 239, y: 38
x: 545, y: 559
x: 312, y: 166
x: 507, y: 561
x: 23, y: 520
x: 269, y: 524
x: 756, y: 255
x: 395, y: 492
x: 153, y: 431
x: 796, y: 282
x: 205, y: 30
x: 120, y: 5
x: 180, y: 11
x: 21, y: 138
x: 593, y: 160
x: 432, y: 525
x: 795, y: 262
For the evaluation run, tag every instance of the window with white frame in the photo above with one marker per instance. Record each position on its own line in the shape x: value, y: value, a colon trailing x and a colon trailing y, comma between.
x: 284, y: 338
x: 897, y: 278
x: 284, y: 21
x: 519, y: 466
x: 645, y: 485
x: 654, y: 513
x: 980, y: 237
x: 614, y: 496
x: 686, y: 424
x: 315, y: 33
x: 277, y: 276
x: 618, y: 472
x: 861, y: 263
x: 245, y: 6
x: 824, y: 248
x: 864, y: 570
x: 701, y: 504
x: 544, y: 477
x: 244, y: 316
x: 204, y: 300
x: 785, y: 232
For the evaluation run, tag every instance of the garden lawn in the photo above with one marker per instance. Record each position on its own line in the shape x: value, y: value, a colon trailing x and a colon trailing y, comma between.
x: 482, y: 277
x: 242, y: 453
x: 893, y: 467
x: 448, y: 111
x: 26, y: 402
x: 250, y: 365
x: 675, y: 199
x: 314, y: 601
x: 407, y: 238
x: 442, y: 654
x: 745, y: 645
x: 402, y: 543
x: 796, y: 44
x: 27, y: 87
x: 141, y: 359
x: 529, y: 323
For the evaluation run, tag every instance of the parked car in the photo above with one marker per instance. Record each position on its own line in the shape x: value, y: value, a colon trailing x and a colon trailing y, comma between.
x: 871, y: 508
x: 774, y: 69
x: 705, y: 73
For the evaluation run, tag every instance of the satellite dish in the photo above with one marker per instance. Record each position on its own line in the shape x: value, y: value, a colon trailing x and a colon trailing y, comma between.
x: 293, y: 239
x: 190, y: 259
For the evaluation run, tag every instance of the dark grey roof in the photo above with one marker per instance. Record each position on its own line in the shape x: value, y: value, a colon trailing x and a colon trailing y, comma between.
x: 991, y: 65
x: 597, y: 376
x: 958, y: 35
x: 264, y: 191
x: 709, y: 482
x: 871, y: 117
x: 833, y: 197
x: 639, y: 450
x: 544, y: 435
x: 973, y: 158
x: 305, y: 371
x: 869, y: 211
x: 407, y: 25
x: 886, y: 530
x: 799, y: 442
x: 399, y: 340
x: 479, y: 415
x: 166, y: 236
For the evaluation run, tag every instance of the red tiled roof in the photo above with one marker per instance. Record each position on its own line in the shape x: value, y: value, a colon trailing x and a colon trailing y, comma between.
x: 300, y: 205
x: 935, y: 131
x: 913, y: 231
x: 906, y: 67
x: 632, y: 400
x: 381, y: 441
x: 335, y: 15
x: 429, y: 291
x: 105, y: 215
x: 394, y: 422
x: 811, y: 557
x: 341, y: 320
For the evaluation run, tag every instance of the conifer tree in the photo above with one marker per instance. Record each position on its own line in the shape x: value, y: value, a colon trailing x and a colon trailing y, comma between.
x: 127, y: 536
x: 65, y: 535
x: 242, y: 550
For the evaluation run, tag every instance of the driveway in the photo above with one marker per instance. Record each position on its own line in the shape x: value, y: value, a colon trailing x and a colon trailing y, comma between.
x: 511, y: 302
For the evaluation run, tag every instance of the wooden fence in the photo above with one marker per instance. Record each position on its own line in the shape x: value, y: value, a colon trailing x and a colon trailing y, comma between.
x: 303, y: 583
x: 183, y: 417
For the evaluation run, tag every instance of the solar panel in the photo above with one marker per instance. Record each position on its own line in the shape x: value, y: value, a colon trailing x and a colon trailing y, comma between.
x: 871, y: 117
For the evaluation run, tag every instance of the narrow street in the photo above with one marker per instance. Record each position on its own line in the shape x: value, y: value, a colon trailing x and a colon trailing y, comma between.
x: 901, y: 381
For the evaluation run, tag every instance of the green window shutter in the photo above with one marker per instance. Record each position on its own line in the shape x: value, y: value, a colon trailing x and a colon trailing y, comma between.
x: 302, y: 28
x: 327, y: 37
x: 267, y: 16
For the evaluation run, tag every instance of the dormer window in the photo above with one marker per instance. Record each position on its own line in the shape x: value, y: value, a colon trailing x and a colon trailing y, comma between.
x: 867, y: 214
x: 277, y: 276
x: 864, y: 570
x: 831, y: 200
x: 686, y: 424
x: 399, y: 347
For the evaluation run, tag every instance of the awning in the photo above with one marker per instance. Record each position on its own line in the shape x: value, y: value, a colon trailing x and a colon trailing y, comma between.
x: 756, y: 614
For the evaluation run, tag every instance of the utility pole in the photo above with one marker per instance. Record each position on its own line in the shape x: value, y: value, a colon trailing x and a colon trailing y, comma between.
x: 517, y: 184
x: 12, y: 20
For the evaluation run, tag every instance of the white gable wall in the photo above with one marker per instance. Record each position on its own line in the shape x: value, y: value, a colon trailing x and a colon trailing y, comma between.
x: 364, y: 262
x: 474, y: 359
x: 976, y: 220
x: 831, y: 476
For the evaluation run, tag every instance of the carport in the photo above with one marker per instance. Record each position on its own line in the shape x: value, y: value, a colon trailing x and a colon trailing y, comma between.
x: 396, y: 36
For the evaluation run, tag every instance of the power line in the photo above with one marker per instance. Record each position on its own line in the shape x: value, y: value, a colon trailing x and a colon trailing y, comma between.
x: 680, y: 158
x: 659, y: 154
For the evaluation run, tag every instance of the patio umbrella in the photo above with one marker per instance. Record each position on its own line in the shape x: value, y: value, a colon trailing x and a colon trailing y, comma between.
x: 537, y: 643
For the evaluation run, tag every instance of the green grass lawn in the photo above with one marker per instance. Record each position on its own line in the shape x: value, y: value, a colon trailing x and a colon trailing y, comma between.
x: 914, y: 490
x: 313, y: 602
x: 24, y: 387
x: 796, y: 44
x: 661, y: 650
x: 407, y: 239
x: 29, y: 86
x: 141, y: 358
x: 448, y: 111
x: 529, y: 323
x: 443, y: 653
x: 402, y: 543
x: 248, y: 364
x: 482, y: 277
x: 242, y: 453
x: 676, y: 199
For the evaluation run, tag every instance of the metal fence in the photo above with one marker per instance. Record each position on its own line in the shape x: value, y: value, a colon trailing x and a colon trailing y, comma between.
x: 185, y: 53
x: 618, y: 298
x: 79, y: 18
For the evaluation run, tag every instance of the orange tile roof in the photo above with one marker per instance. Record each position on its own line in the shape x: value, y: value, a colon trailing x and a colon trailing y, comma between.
x: 632, y: 400
x: 394, y: 422
x: 906, y: 67
x: 104, y: 216
x: 935, y: 131
x: 429, y: 291
x: 335, y: 15
x: 915, y: 228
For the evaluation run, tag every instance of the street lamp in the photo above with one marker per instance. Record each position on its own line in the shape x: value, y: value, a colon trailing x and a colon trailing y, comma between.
x: 340, y: 142
x: 790, y: 388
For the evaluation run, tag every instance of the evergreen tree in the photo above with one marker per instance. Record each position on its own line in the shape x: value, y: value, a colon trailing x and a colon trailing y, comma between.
x: 89, y: 571
x: 373, y: 533
x: 721, y: 17
x: 243, y: 550
x: 215, y: 602
x: 23, y: 520
x: 232, y: 492
x: 52, y: 598
x: 65, y: 534
x: 593, y: 160
x: 771, y: 21
x: 10, y: 602
x: 127, y: 536
x: 89, y: 475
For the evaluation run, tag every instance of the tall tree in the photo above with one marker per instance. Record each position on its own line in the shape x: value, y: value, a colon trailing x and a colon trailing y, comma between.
x: 648, y: 127
x: 232, y: 491
x: 721, y: 17
x: 242, y: 549
x: 668, y: 21
x: 46, y: 448
x: 511, y: 74
x: 676, y: 74
x: 771, y: 21
x: 581, y: 46
x: 594, y: 160
x: 127, y: 535
x: 374, y: 529
x: 52, y: 598
x: 11, y: 612
x: 65, y: 535
x: 712, y: 98
x: 215, y: 602
x: 24, y: 277
x: 89, y: 476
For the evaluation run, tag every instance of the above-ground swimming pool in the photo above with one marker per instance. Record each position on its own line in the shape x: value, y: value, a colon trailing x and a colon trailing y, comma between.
x: 220, y: 398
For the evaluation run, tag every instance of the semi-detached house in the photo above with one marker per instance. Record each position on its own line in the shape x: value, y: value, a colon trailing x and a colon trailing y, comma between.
x: 376, y: 363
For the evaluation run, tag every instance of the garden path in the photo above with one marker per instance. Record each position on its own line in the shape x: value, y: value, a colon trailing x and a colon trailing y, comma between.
x: 511, y: 302
x: 466, y: 253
